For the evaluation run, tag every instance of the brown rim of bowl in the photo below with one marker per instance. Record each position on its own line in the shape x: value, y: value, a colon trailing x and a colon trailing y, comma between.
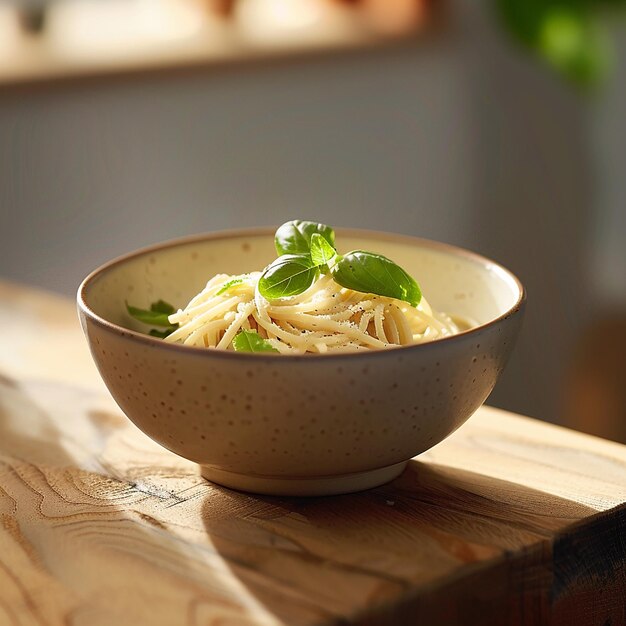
x: 269, y: 231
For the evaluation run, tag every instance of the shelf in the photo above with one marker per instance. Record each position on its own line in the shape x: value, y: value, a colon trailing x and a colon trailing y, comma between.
x: 85, y: 40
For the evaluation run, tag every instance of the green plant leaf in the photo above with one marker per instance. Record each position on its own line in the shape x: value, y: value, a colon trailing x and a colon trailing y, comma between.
x: 322, y: 252
x: 151, y: 317
x: 373, y: 273
x: 157, y: 315
x: 251, y: 341
x: 294, y: 237
x: 574, y: 44
x: 231, y: 283
x: 288, y: 275
x: 160, y: 306
x: 162, y: 334
x: 566, y: 34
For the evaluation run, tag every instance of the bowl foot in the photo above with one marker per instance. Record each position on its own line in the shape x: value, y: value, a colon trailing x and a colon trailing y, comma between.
x: 314, y: 486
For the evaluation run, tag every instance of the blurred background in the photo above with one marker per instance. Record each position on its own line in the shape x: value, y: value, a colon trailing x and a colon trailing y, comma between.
x: 497, y: 125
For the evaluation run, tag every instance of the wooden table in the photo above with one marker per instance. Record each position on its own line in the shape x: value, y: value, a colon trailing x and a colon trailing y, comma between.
x: 510, y: 520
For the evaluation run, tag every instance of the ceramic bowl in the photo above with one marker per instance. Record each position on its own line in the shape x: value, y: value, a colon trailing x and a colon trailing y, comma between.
x: 306, y: 424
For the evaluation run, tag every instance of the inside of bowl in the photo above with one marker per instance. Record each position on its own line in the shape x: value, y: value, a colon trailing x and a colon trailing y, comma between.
x: 454, y: 282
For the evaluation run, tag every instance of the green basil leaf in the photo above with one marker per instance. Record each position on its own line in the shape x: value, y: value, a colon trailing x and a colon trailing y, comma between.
x: 295, y: 237
x: 156, y: 316
x: 160, y: 306
x: 151, y: 317
x: 231, y: 283
x: 251, y: 341
x: 162, y: 334
x: 288, y: 275
x: 373, y: 273
x: 321, y: 251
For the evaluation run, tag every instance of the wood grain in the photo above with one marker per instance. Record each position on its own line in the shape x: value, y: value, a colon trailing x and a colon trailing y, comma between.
x: 508, y: 521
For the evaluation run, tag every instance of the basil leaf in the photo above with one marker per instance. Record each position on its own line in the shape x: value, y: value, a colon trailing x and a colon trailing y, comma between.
x: 231, y: 283
x: 160, y: 306
x: 373, y: 273
x: 295, y: 237
x: 156, y: 316
x: 288, y: 275
x: 251, y: 341
x: 162, y: 334
x: 321, y: 251
x: 152, y: 317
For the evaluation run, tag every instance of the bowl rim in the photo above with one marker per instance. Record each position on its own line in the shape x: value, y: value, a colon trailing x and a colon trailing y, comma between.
x: 269, y: 231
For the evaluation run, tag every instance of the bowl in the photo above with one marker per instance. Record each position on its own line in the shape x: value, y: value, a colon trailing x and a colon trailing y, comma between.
x: 304, y: 424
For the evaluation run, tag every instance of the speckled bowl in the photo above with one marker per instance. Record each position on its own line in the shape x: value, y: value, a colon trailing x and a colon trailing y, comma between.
x: 298, y: 425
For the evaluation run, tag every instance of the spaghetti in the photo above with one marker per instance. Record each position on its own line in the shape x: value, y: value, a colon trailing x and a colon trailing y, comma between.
x: 326, y: 317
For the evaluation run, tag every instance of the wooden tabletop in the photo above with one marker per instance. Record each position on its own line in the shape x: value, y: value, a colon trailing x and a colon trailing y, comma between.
x: 509, y: 520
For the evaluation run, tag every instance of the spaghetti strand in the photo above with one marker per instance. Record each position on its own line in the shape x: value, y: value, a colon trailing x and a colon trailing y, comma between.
x: 324, y: 318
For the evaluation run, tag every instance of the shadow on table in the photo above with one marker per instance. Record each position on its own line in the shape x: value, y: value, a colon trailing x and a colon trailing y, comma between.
x: 26, y: 432
x: 319, y: 560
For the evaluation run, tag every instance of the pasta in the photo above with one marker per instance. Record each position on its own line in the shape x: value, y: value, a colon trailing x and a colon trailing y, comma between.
x: 310, y: 299
x: 325, y: 317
